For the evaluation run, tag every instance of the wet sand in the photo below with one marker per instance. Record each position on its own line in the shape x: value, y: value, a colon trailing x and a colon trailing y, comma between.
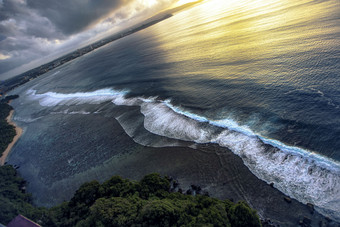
x: 18, y: 131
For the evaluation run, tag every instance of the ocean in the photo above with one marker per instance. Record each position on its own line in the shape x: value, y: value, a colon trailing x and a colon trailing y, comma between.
x: 258, y: 78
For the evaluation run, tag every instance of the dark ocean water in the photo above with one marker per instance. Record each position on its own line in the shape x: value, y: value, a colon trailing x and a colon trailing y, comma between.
x: 260, y: 78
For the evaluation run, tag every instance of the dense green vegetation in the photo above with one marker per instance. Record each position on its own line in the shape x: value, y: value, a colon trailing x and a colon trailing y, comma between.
x: 7, y: 131
x: 13, y: 199
x: 8, y: 98
x: 120, y: 202
x: 117, y: 202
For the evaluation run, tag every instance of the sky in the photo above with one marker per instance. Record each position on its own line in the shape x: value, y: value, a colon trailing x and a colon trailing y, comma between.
x: 32, y: 30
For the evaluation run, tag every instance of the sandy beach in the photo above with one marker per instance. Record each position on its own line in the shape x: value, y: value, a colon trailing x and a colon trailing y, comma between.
x: 18, y: 131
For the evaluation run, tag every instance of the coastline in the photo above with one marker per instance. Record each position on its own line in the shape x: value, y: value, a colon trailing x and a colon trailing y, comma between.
x: 215, y: 169
x: 18, y: 131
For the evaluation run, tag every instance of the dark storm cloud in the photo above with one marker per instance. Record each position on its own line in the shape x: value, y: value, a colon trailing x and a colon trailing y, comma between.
x: 30, y: 29
x: 74, y: 16
x: 53, y: 19
x: 2, y: 37
x: 33, y: 29
x: 9, y: 9
x: 18, y: 20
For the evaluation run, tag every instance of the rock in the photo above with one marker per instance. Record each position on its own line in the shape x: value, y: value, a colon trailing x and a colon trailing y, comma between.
x: 287, y: 199
x: 271, y: 185
x: 328, y: 219
x: 321, y: 224
x: 23, y: 189
x: 268, y: 223
x: 310, y: 208
x: 193, y: 187
x: 205, y: 193
x: 174, y: 185
x: 307, y: 221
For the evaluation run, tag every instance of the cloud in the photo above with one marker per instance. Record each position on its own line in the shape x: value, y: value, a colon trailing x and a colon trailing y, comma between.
x: 75, y: 16
x: 3, y: 57
x: 33, y: 29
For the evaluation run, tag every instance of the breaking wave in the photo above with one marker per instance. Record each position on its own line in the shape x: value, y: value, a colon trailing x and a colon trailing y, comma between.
x: 298, y: 173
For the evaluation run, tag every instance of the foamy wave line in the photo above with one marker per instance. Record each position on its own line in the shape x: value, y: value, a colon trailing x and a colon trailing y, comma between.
x: 72, y: 112
x: 299, y: 173
x: 232, y: 125
x: 94, y: 97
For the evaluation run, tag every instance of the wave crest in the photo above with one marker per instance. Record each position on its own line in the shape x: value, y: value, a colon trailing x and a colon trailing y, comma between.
x: 298, y: 173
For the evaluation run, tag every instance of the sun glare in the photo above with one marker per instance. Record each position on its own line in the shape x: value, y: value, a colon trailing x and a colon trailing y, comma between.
x: 3, y: 56
x: 182, y: 2
x: 148, y: 3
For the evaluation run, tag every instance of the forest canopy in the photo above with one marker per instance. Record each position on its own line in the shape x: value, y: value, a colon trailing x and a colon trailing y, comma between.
x: 121, y: 202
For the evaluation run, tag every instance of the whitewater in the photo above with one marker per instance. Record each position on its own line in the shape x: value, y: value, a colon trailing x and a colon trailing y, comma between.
x: 246, y: 90
x: 301, y: 174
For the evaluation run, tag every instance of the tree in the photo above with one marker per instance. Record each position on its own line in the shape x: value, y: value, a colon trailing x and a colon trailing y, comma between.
x: 114, y: 211
x: 87, y: 194
x: 154, y: 184
x: 242, y: 215
x: 160, y: 213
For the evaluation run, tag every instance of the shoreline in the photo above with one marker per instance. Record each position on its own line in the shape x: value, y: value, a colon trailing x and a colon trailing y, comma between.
x: 18, y: 132
x: 214, y: 168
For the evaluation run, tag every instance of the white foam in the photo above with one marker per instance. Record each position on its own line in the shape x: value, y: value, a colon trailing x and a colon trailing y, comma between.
x: 72, y: 112
x: 224, y: 123
x: 26, y: 120
x: 94, y: 97
x: 159, y: 120
x: 299, y: 173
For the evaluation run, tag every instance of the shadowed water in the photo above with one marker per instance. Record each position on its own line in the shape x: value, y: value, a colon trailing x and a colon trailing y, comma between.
x: 260, y: 79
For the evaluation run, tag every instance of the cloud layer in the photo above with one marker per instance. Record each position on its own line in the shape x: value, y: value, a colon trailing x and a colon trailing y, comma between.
x: 32, y: 29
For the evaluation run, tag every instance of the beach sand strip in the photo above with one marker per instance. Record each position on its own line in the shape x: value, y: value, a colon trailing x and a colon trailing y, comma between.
x: 18, y: 131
